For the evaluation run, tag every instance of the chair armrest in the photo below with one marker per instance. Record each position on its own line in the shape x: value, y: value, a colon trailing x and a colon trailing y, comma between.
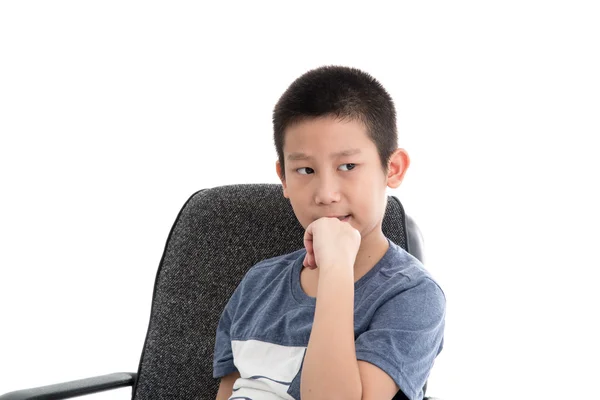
x: 70, y: 389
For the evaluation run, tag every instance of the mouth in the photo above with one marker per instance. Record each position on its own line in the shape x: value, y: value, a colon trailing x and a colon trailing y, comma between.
x: 343, y: 218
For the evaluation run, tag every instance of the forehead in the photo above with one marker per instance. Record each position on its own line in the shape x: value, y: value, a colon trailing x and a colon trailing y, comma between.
x: 326, y: 135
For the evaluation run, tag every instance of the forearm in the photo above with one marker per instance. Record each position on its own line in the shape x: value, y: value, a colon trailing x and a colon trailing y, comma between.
x: 330, y: 370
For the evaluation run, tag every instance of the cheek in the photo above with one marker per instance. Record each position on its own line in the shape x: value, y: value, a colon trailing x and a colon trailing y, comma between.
x: 298, y: 207
x: 370, y: 200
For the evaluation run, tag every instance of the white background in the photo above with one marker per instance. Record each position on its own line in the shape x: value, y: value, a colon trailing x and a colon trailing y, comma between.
x: 113, y: 113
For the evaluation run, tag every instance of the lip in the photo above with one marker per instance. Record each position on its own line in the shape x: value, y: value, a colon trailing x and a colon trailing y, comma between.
x: 341, y: 217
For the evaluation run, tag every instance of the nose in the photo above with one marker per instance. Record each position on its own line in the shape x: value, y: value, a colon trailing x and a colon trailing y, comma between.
x: 327, y: 191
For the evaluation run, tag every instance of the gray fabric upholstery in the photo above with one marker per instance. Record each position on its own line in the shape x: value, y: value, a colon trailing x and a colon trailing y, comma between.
x: 218, y: 235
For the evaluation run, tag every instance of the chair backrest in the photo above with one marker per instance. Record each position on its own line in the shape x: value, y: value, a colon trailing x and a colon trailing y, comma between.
x: 218, y: 235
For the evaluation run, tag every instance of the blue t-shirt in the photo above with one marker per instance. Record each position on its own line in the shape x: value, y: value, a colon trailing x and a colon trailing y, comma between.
x: 264, y: 329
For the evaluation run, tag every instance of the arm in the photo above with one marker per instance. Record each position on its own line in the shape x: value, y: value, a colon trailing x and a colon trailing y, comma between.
x: 330, y: 367
x: 226, y: 385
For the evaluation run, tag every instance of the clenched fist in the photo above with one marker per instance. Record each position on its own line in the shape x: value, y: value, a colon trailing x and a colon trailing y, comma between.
x: 330, y: 243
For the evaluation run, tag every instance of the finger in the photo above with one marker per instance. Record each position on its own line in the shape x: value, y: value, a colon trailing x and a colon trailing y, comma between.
x: 308, y: 233
x: 308, y: 260
x: 311, y: 261
x: 309, y: 247
x: 308, y: 243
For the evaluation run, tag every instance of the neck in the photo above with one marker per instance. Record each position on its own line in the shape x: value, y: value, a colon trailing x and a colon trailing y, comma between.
x: 372, y: 249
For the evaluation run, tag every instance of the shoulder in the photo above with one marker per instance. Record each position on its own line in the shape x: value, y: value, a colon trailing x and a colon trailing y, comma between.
x: 408, y: 271
x: 407, y: 297
x: 275, y: 264
x: 268, y: 269
x: 261, y: 275
x: 403, y: 283
x: 277, y: 261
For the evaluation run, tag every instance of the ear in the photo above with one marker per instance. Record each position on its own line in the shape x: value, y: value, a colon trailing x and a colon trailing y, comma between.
x: 397, y: 166
x: 281, y: 178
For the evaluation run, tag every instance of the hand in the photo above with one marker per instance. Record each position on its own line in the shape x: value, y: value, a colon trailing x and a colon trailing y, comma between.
x: 329, y: 243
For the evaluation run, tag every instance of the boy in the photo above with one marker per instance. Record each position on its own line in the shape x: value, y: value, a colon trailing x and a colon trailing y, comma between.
x: 353, y: 315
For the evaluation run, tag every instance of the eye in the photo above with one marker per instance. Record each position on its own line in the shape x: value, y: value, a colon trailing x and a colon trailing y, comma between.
x: 305, y: 170
x: 347, y: 167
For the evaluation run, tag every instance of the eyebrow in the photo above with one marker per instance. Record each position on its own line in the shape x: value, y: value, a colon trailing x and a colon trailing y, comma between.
x: 302, y: 156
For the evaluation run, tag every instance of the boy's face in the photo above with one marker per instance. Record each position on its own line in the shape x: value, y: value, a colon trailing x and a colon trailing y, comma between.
x: 332, y: 169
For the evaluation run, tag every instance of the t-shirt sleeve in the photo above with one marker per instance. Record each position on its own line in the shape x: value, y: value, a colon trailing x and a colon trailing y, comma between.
x: 405, y: 335
x: 223, y: 355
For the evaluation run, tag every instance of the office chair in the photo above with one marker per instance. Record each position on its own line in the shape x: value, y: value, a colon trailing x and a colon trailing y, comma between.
x: 218, y: 235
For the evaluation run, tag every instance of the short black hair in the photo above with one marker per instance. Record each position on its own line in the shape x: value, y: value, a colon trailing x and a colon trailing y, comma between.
x: 342, y: 92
